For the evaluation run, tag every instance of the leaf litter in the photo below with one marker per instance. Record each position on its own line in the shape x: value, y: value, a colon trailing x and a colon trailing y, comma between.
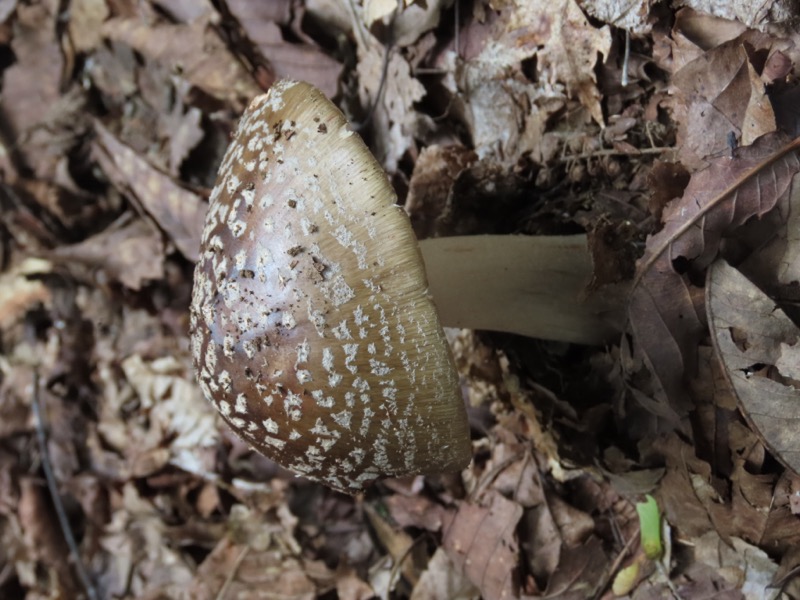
x: 663, y: 130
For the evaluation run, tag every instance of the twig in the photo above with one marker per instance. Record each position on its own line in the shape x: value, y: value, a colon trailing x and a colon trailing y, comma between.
x: 384, y: 71
x: 625, y: 59
x: 457, y: 18
x: 236, y: 566
x: 611, y: 571
x: 52, y: 487
x: 395, y: 572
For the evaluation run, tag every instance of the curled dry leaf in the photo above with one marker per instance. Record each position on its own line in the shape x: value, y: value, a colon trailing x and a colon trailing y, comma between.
x: 663, y: 313
x: 757, y: 344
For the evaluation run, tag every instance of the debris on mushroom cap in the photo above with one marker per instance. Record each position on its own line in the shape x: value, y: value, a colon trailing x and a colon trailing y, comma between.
x: 312, y: 329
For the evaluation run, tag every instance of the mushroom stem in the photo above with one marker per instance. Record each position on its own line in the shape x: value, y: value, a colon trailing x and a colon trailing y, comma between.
x: 528, y: 285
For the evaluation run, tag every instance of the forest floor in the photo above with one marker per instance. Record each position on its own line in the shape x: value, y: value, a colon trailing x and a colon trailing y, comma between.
x: 659, y: 130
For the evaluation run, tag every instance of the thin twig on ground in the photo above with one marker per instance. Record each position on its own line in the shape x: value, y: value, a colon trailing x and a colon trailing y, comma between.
x: 52, y: 487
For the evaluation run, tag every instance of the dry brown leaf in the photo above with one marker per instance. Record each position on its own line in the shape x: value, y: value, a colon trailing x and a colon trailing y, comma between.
x: 752, y: 336
x: 349, y: 586
x: 184, y: 133
x: 87, y: 17
x: 407, y: 556
x: 258, y: 560
x: 775, y: 268
x: 719, y: 93
x: 177, y: 211
x: 20, y: 291
x: 142, y: 560
x: 569, y: 44
x: 132, y: 254
x: 783, y: 526
x: 182, y: 428
x: 443, y: 581
x: 481, y: 541
x: 263, y: 22
x: 194, y: 50
x: 753, y: 14
x: 43, y: 122
x: 493, y: 100
x: 31, y: 86
x: 742, y: 565
x: 663, y: 310
x: 416, y: 511
x: 43, y: 536
x: 394, y: 118
x: 759, y: 118
x: 631, y: 15
x: 410, y: 24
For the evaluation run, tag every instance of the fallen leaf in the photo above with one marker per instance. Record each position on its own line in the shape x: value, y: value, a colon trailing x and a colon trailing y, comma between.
x: 441, y: 580
x: 394, y: 118
x: 43, y: 535
x: 742, y: 565
x: 569, y: 46
x: 131, y: 253
x: 416, y: 511
x: 481, y: 541
x: 194, y: 50
x: 87, y: 17
x: 630, y: 15
x: 751, y: 336
x: 664, y: 311
x: 21, y: 291
x: 407, y: 556
x: 719, y: 94
x: 751, y: 14
x: 264, y: 23
x: 31, y: 85
x: 179, y: 212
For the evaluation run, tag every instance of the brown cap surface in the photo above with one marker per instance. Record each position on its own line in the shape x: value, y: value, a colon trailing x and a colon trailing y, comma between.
x: 312, y: 329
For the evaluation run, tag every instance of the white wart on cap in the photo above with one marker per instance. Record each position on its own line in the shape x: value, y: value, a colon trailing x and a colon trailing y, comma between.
x: 312, y: 329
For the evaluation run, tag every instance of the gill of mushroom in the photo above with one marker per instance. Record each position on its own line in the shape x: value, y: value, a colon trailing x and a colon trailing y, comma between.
x: 313, y: 328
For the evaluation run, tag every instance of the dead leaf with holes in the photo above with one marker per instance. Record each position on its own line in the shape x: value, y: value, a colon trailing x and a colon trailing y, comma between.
x: 666, y: 314
x: 394, y: 119
x: 507, y: 114
x: 570, y: 47
x: 757, y: 344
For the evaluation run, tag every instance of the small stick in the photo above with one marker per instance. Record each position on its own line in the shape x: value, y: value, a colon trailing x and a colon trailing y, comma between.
x: 223, y: 591
x: 52, y: 487
x: 625, y: 59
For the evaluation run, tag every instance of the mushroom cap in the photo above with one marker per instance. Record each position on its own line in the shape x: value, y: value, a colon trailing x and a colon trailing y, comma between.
x: 312, y: 329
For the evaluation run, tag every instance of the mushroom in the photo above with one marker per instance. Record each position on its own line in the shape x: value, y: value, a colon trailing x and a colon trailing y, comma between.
x: 312, y: 327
